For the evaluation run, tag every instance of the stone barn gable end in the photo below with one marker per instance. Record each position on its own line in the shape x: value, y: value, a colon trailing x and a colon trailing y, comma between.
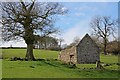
x: 86, y: 51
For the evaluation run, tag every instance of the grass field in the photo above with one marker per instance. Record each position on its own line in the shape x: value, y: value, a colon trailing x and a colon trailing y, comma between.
x: 9, y: 53
x: 49, y: 67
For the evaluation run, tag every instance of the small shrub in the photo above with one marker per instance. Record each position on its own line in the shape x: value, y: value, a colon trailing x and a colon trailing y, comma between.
x: 54, y: 48
x: 15, y: 58
x: 31, y: 66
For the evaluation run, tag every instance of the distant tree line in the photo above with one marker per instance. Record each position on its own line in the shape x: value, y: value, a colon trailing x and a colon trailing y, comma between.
x: 47, y: 42
x: 13, y: 47
x: 112, y: 47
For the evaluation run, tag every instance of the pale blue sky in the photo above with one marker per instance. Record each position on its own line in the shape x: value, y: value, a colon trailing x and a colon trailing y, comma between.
x: 76, y: 21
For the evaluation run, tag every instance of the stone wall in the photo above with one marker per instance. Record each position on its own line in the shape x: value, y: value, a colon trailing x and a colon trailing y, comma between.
x: 68, y: 55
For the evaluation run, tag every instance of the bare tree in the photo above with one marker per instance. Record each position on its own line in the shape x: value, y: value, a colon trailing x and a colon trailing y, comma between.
x: 60, y: 40
x: 76, y: 40
x: 103, y: 27
x: 27, y: 19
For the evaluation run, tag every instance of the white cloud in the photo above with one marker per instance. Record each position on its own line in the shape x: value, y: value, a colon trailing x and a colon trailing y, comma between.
x: 79, y: 14
x: 85, y: 7
x: 64, y: 9
x: 80, y: 29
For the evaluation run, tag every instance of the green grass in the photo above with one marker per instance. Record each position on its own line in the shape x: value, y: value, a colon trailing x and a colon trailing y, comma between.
x: 109, y: 58
x: 0, y: 68
x: 9, y: 53
x: 51, y: 68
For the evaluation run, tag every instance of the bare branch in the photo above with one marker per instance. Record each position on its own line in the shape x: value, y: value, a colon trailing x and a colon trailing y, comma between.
x: 103, y: 27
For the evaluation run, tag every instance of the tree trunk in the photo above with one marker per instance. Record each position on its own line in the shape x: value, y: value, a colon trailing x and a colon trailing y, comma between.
x: 29, y: 53
x: 105, y: 44
x: 105, y: 52
x: 45, y: 43
x: 105, y: 40
x: 60, y: 45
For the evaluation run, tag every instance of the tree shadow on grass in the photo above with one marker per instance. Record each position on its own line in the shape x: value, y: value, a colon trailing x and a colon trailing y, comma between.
x: 50, y: 62
x: 55, y: 63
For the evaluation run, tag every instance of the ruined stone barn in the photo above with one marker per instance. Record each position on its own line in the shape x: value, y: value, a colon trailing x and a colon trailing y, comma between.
x: 86, y: 51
